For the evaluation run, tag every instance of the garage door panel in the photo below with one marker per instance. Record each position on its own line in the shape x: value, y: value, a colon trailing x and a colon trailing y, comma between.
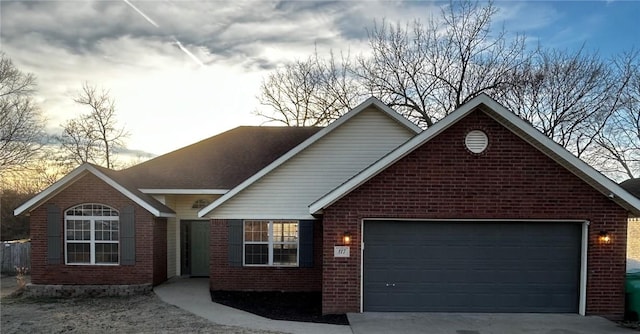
x: 471, y: 267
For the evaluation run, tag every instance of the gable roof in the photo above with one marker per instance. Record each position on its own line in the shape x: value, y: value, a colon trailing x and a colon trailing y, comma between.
x: 632, y: 186
x: 108, y: 176
x: 370, y: 102
x: 512, y: 122
x: 210, y: 166
x: 218, y: 163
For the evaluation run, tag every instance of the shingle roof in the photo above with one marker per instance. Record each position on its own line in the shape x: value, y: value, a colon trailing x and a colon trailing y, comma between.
x: 220, y: 162
x: 106, y: 175
x: 370, y: 102
x: 632, y: 186
x: 134, y: 191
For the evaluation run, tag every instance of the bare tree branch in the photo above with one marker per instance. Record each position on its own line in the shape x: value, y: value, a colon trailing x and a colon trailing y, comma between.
x: 312, y: 92
x: 94, y: 137
x: 21, y: 121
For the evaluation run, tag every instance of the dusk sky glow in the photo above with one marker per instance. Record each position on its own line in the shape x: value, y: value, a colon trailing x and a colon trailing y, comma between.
x: 181, y: 71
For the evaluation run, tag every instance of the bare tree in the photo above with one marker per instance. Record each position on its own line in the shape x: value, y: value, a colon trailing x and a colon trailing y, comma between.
x: 427, y: 71
x: 586, y: 104
x: 424, y: 71
x: 94, y: 137
x: 312, y: 92
x: 618, y: 143
x: 568, y: 96
x: 21, y: 121
x: 398, y: 70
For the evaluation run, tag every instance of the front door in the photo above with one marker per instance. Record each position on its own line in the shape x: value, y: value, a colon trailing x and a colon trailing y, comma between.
x: 195, y: 256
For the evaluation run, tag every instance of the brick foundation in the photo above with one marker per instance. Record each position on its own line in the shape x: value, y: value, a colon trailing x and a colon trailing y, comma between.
x: 73, y: 291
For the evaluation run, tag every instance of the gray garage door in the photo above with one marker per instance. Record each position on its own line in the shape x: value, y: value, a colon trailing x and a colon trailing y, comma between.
x: 471, y: 266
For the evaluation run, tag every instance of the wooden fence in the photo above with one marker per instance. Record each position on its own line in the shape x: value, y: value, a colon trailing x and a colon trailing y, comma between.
x: 14, y: 254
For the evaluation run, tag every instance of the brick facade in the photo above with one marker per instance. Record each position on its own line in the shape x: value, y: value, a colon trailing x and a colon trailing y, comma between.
x: 225, y: 277
x: 510, y: 180
x: 150, y: 235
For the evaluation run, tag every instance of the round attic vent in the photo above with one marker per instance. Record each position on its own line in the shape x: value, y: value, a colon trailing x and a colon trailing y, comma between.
x: 476, y: 141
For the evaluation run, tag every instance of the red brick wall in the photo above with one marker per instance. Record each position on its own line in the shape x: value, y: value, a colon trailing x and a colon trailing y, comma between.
x: 225, y: 277
x: 159, y: 250
x: 510, y: 180
x: 90, y: 189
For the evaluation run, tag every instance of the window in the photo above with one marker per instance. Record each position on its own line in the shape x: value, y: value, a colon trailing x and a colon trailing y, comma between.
x: 92, y: 234
x: 270, y: 243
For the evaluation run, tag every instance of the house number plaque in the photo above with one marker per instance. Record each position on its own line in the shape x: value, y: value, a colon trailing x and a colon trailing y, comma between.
x: 341, y: 251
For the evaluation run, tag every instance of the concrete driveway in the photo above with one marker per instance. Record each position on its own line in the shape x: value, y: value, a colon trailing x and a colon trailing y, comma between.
x: 463, y: 323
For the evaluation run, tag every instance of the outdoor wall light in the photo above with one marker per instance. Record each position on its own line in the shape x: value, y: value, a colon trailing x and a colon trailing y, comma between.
x: 604, y: 237
x: 346, y: 238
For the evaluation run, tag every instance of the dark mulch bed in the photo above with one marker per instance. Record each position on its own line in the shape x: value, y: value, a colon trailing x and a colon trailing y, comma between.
x: 293, y: 306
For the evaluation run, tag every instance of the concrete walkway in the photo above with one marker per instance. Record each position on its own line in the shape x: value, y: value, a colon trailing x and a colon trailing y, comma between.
x: 192, y: 294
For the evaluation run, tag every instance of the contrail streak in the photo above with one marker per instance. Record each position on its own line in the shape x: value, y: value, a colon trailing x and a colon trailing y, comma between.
x: 188, y: 53
x: 191, y: 55
x: 141, y: 13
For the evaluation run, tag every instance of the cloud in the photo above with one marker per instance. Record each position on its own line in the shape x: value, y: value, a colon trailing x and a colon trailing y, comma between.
x: 227, y: 31
x: 181, y: 71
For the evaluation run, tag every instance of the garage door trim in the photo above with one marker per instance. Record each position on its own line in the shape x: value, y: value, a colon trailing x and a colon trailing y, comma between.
x: 582, y: 300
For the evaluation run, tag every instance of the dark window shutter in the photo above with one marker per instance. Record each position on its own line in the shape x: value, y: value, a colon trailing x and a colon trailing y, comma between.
x: 54, y: 241
x: 305, y: 229
x: 235, y: 242
x: 127, y: 236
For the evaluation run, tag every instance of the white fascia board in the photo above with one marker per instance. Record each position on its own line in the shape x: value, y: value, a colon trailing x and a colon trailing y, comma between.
x: 152, y: 191
x: 51, y: 190
x: 74, y: 175
x: 394, y: 114
x: 562, y: 156
x: 130, y: 195
x: 260, y: 216
x: 372, y: 101
x: 389, y: 159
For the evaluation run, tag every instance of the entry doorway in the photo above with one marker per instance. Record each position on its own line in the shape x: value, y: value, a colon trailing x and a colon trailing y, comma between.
x: 194, y: 237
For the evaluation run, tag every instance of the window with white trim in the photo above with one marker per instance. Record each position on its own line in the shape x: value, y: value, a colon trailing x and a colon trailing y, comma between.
x: 270, y: 243
x: 92, y: 235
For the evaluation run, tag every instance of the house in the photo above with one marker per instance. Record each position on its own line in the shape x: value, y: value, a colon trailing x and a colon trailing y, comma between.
x: 478, y: 213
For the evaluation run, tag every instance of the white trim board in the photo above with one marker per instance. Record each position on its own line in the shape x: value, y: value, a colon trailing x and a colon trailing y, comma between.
x: 153, y: 191
x: 76, y: 174
x: 370, y: 102
x: 510, y: 121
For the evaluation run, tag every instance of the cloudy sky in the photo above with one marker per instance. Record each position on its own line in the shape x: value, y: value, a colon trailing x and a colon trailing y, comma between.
x: 181, y: 71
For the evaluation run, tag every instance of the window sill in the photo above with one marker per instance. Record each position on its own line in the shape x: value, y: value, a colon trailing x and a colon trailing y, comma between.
x: 93, y: 264
x: 271, y: 266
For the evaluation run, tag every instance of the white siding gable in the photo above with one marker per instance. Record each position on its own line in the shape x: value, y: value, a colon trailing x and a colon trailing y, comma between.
x: 287, y: 191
